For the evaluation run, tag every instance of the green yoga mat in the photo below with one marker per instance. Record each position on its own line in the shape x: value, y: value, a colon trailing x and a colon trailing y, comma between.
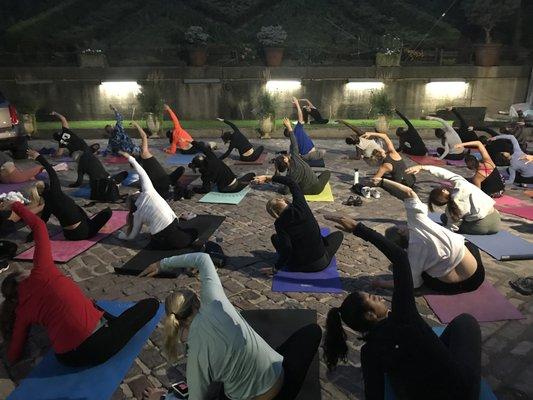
x: 225, y: 198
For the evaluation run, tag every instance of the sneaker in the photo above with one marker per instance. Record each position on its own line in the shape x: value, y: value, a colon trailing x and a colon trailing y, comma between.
x: 353, y: 201
x: 365, y: 192
x: 375, y: 193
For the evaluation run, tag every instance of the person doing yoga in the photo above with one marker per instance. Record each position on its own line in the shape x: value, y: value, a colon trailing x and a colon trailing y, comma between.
x: 118, y: 138
x: 306, y: 147
x: 223, y: 351
x: 466, y: 132
x: 297, y: 240
x: 310, y: 110
x: 438, y: 257
x: 391, y: 161
x: 468, y: 209
x: 80, y: 333
x: 150, y: 208
x: 9, y: 218
x: 519, y: 171
x: 238, y: 141
x: 449, y: 138
x: 365, y: 147
x: 164, y: 183
x: 398, y: 342
x: 69, y: 140
x: 487, y: 176
x: 9, y: 173
x: 214, y: 171
x: 410, y: 140
x: 178, y: 137
x: 72, y: 218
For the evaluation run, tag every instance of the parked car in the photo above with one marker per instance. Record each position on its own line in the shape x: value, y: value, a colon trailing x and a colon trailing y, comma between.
x: 12, y: 137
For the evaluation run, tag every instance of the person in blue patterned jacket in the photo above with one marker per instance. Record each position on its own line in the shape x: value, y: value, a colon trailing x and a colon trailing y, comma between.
x: 118, y: 138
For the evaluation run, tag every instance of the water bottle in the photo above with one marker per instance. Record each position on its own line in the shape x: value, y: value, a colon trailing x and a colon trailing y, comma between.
x: 355, y: 176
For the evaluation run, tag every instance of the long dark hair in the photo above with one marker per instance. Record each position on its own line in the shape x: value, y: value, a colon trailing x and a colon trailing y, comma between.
x: 352, y: 313
x: 9, y: 306
x: 438, y: 198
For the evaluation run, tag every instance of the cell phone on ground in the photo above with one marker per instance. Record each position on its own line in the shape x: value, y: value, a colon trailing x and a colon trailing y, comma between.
x: 181, y: 389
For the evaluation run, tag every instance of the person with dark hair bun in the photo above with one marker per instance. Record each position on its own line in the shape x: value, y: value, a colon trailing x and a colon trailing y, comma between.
x: 398, y: 342
x: 238, y: 141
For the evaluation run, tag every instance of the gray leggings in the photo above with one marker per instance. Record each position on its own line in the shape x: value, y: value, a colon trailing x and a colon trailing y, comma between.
x: 318, y: 187
x: 314, y: 155
x: 485, y: 226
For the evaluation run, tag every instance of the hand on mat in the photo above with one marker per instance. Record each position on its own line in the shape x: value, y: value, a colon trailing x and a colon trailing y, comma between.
x: 151, y: 393
x: 150, y: 271
x: 261, y: 179
x: 32, y: 154
x: 343, y: 223
x: 415, y: 169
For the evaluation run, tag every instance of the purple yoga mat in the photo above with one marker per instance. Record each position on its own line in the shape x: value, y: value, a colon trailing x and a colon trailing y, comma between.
x: 13, y: 187
x: 65, y: 250
x: 485, y: 304
x: 456, y: 163
x: 325, y: 281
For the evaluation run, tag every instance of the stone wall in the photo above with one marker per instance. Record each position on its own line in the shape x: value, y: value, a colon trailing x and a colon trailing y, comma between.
x: 77, y: 93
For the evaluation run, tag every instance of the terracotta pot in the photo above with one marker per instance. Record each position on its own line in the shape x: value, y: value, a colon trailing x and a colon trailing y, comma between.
x: 29, y: 124
x: 153, y: 123
x: 488, y: 54
x: 198, y: 56
x: 388, y: 60
x: 266, y: 126
x: 273, y: 56
x: 382, y: 124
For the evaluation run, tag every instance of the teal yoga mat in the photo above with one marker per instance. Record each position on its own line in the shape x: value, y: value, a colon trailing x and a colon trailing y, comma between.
x: 225, y: 198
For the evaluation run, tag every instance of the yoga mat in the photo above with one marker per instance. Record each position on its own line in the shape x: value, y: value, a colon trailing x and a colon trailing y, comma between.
x: 325, y: 281
x: 83, y: 192
x: 326, y: 195
x: 503, y: 246
x: 523, y: 211
x: 259, y: 161
x: 50, y: 380
x: 65, y: 250
x: 115, y: 160
x: 426, y: 160
x: 508, y: 201
x: 225, y: 198
x: 485, y: 304
x: 316, y: 163
x: 456, y: 163
x: 14, y: 187
x: 131, y: 178
x: 207, y: 224
x: 485, y: 392
x: 180, y: 159
x: 186, y: 180
x: 275, y: 327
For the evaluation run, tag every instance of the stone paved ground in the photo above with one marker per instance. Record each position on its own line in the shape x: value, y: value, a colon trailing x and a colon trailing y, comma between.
x: 245, y: 235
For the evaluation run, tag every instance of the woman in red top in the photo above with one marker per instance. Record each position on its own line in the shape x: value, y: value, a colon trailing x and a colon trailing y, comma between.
x: 179, y: 138
x: 80, y: 333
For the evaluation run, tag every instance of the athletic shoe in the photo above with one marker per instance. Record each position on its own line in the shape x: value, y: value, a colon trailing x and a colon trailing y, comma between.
x: 353, y: 201
x: 375, y: 193
x: 365, y: 192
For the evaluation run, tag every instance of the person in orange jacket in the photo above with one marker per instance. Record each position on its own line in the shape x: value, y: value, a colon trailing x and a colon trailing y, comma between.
x: 179, y: 138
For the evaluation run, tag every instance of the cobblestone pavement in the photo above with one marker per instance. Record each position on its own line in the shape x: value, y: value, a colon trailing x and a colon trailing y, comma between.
x: 245, y: 235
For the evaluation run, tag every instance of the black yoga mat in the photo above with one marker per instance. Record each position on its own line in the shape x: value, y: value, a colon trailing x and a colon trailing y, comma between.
x: 206, y: 224
x: 275, y: 326
x: 316, y: 163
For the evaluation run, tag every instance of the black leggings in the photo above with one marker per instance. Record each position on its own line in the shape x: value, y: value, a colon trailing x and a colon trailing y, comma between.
x: 468, y: 285
x: 88, y: 227
x: 192, y: 150
x: 332, y: 242
x: 449, y: 156
x: 416, y: 149
x: 521, y: 179
x: 318, y: 187
x: 254, y: 156
x: 239, y: 184
x: 111, y: 337
x: 172, y: 237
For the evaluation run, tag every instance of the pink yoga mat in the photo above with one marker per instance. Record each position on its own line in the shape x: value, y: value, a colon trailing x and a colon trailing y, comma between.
x: 523, y: 211
x: 456, y: 163
x: 508, y: 201
x: 426, y: 160
x: 485, y: 304
x: 116, y: 160
x: 65, y: 250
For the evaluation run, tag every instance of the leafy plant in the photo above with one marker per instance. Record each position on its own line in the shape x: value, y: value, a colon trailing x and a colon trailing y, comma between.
x: 196, y: 35
x: 390, y: 44
x: 272, y: 36
x: 264, y: 105
x: 489, y: 13
x: 150, y: 97
x: 380, y: 104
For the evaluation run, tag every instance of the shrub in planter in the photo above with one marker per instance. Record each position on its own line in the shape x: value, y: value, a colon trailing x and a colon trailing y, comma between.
x: 151, y: 101
x: 390, y: 52
x: 265, y: 111
x: 272, y: 39
x: 487, y: 14
x: 197, y: 39
x: 27, y: 104
x: 381, y: 107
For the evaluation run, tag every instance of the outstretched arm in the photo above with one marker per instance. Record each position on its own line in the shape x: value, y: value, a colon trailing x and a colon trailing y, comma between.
x: 119, y: 118
x: 405, y: 119
x: 146, y: 183
x: 516, y: 145
x: 173, y: 117
x: 299, y: 110
x: 55, y: 185
x: 231, y: 125
x: 145, y: 151
x: 354, y: 128
x: 478, y: 145
x: 227, y: 152
x: 64, y: 122
x: 386, y: 139
x: 398, y: 190
x: 462, y: 121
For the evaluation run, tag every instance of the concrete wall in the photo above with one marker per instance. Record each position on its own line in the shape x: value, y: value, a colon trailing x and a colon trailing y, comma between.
x: 76, y: 92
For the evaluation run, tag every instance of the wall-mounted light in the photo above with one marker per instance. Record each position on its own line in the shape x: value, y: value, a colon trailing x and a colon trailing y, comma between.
x: 364, y: 84
x: 120, y: 89
x: 446, y: 88
x: 285, y: 85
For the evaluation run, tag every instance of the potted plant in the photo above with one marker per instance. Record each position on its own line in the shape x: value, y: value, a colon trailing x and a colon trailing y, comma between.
x: 487, y: 14
x: 197, y: 39
x: 151, y: 101
x: 94, y: 58
x: 272, y: 39
x: 390, y: 52
x: 265, y: 110
x: 27, y: 105
x: 380, y: 107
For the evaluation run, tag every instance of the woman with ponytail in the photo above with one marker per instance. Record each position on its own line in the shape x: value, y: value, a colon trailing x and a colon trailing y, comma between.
x: 468, y: 209
x: 222, y: 347
x: 398, y: 342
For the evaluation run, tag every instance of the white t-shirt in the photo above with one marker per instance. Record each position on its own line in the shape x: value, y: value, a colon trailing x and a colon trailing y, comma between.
x: 367, y: 146
x: 432, y: 248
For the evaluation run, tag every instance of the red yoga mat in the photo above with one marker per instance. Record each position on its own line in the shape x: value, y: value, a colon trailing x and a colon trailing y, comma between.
x: 523, y: 211
x: 427, y: 160
x: 508, y: 201
x: 115, y: 160
x: 65, y: 250
x: 486, y: 304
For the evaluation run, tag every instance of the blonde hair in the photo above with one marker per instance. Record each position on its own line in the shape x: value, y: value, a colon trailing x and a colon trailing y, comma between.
x: 179, y: 306
x: 35, y: 194
x: 273, y: 206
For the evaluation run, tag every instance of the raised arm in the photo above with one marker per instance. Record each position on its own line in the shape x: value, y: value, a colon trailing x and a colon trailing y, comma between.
x: 173, y: 117
x: 293, y: 149
x: 462, y: 121
x: 444, y: 123
x: 478, y: 145
x: 405, y: 119
x: 81, y: 172
x: 439, y: 172
x: 398, y: 190
x: 298, y: 197
x: 386, y: 139
x: 516, y: 145
x: 55, y: 185
x: 119, y: 118
x: 146, y: 183
x: 298, y: 110
x: 354, y: 128
x: 231, y: 125
x: 211, y: 286
x: 227, y: 152
x: 64, y: 122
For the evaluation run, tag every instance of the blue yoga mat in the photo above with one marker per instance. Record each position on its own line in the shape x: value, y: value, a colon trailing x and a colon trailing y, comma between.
x: 225, y: 198
x: 83, y: 192
x: 180, y: 159
x: 131, y: 178
x: 50, y: 380
x: 485, y: 392
x: 503, y: 246
x: 325, y: 281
